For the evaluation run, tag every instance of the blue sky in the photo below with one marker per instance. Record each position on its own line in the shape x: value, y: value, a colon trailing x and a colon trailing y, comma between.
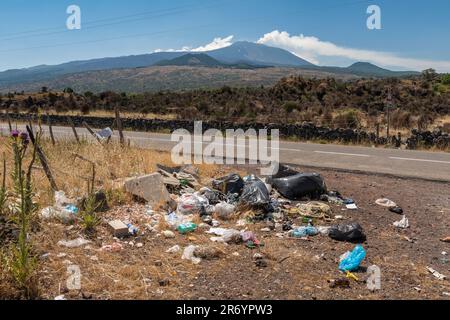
x: 415, y: 33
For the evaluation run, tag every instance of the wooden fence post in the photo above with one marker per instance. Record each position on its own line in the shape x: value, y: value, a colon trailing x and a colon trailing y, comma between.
x: 43, y: 160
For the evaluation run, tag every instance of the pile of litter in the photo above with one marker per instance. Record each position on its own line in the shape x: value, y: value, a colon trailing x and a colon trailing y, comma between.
x: 293, y: 205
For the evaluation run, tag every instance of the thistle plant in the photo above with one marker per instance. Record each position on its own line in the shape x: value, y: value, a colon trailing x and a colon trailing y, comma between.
x: 22, y: 262
x: 3, y: 191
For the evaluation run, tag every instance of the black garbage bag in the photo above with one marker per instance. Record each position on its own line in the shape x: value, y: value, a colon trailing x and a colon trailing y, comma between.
x: 351, y: 232
x: 213, y: 196
x: 232, y: 183
x: 300, y: 185
x: 255, y: 193
x: 285, y: 171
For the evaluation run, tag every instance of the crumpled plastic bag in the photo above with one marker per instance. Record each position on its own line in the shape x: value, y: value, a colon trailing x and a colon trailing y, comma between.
x: 74, y: 243
x: 188, y: 254
x: 232, y: 183
x: 63, y: 210
x: 402, y: 224
x: 224, y: 210
x: 255, y: 193
x: 191, y: 204
x: 351, y: 232
x: 352, y: 260
x: 225, y: 235
x: 174, y: 220
x: 302, y: 232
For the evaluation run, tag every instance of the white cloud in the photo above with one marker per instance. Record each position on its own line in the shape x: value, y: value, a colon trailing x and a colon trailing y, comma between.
x: 312, y: 49
x: 217, y: 43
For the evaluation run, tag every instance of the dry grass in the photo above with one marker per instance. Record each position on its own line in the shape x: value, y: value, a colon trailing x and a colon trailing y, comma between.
x: 112, y: 163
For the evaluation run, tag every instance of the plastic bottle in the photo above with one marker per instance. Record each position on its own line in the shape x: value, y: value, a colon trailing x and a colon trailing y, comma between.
x: 187, y: 227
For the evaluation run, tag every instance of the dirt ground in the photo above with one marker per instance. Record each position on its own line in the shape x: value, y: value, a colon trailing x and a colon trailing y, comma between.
x: 296, y: 269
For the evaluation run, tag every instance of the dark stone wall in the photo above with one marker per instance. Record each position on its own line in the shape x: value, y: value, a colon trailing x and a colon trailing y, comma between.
x: 305, y: 131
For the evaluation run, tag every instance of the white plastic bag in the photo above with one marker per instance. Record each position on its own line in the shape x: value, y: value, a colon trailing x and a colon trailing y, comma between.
x: 188, y: 254
x: 190, y: 204
x: 224, y: 210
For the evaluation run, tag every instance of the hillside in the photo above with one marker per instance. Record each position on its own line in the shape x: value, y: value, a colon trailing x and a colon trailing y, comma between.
x: 417, y: 103
x: 191, y: 59
x: 175, y: 78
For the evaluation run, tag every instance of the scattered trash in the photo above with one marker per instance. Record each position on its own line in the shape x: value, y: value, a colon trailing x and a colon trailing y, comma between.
x: 436, y: 274
x: 403, y: 224
x: 303, y: 232
x: 64, y: 210
x: 324, y: 230
x: 188, y: 254
x: 60, y: 298
x: 224, y: 210
x: 226, y: 235
x: 352, y: 206
x: 214, y: 197
x: 255, y: 193
x: 73, y: 243
x: 118, y: 229
x: 339, y: 283
x: 352, y: 232
x: 115, y: 247
x: 299, y: 185
x: 207, y: 252
x: 314, y: 209
x: 386, y: 203
x: 174, y: 249
x: 186, y: 228
x: 351, y: 260
x: 259, y: 261
x: 250, y: 240
x: 231, y: 184
x: 104, y: 134
x: 191, y: 204
x: 396, y: 210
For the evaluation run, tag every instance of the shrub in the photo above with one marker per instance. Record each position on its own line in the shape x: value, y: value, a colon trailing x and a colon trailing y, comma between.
x: 446, y: 79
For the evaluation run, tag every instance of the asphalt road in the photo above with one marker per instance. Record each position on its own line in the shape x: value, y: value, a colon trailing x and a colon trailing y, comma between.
x: 404, y: 163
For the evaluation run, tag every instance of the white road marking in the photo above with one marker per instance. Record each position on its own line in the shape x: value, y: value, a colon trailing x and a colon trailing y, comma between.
x: 420, y: 160
x: 345, y: 154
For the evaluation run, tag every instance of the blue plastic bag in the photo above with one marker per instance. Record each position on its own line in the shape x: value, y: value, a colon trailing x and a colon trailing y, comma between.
x: 353, y: 259
x: 305, y: 231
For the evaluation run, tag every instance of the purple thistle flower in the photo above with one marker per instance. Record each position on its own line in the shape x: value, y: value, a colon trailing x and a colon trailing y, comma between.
x: 15, y: 133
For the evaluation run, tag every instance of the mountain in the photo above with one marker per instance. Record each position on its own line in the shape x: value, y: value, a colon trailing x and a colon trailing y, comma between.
x: 193, y: 60
x: 366, y: 70
x: 45, y: 72
x: 254, y: 53
x: 369, y: 69
x: 240, y: 55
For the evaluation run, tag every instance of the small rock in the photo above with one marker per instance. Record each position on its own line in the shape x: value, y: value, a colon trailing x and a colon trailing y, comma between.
x: 339, y: 283
x: 164, y: 282
x: 207, y: 253
x: 168, y: 234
